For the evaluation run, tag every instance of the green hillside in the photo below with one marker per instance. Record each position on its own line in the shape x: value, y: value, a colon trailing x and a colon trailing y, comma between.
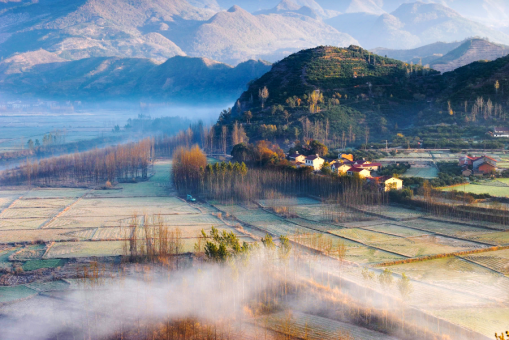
x: 349, y: 87
x: 349, y: 95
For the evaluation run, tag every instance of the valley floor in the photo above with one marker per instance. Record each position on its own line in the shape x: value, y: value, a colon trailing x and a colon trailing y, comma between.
x: 46, y: 234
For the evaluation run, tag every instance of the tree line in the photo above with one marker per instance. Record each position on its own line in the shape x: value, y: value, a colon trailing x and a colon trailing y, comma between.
x: 116, y: 163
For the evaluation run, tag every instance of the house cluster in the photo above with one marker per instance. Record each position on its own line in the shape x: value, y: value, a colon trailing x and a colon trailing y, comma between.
x: 500, y: 132
x: 483, y: 165
x: 346, y: 165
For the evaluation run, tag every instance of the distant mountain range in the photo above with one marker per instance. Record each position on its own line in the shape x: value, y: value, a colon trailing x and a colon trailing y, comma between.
x: 233, y: 31
x: 179, y: 79
x: 446, y: 57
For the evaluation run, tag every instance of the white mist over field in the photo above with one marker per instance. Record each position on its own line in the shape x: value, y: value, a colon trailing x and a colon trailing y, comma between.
x: 210, y: 293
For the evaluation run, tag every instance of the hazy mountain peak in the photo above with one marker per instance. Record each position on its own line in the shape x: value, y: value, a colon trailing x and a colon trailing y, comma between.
x: 287, y: 5
x: 235, y: 8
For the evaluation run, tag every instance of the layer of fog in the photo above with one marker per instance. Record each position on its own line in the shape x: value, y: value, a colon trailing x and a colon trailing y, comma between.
x: 207, y: 292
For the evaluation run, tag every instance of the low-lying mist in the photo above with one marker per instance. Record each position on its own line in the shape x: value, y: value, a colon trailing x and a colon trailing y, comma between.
x: 141, y: 301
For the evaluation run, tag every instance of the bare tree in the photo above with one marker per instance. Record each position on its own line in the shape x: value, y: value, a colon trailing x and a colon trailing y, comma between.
x: 263, y: 94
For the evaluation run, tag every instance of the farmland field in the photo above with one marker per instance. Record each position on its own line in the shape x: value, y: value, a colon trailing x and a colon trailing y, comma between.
x: 446, y: 228
x: 425, y: 172
x: 485, y: 320
x: 458, y: 274
x: 397, y: 230
x: 9, y: 294
x: 38, y: 264
x: 315, y: 327
x: 50, y: 229
x: 425, y: 245
x: 481, y: 189
x: 496, y: 260
x: 393, y: 212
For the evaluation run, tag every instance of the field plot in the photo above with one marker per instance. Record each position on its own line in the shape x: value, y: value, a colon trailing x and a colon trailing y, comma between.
x: 21, y: 223
x: 55, y: 193
x: 83, y: 234
x: 425, y: 245
x: 314, y: 327
x: 460, y: 275
x: 367, y: 255
x: 497, y: 260
x: 85, y: 249
x: 29, y: 212
x: 38, y: 264
x: 4, y: 257
x: 499, y: 238
x: 426, y: 172
x: 232, y: 209
x: 396, y: 230
x: 30, y: 253
x: 49, y: 286
x: 484, y: 320
x: 270, y: 223
x: 364, y: 236
x: 446, y: 228
x: 502, y: 191
x: 310, y: 212
x: 86, y: 222
x: 42, y: 203
x: 288, y: 202
x: 13, y: 293
x: 393, y: 212
x: 44, y: 235
x: 321, y: 226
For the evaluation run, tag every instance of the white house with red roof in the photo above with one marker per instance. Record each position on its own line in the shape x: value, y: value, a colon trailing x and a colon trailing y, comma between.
x: 314, y: 161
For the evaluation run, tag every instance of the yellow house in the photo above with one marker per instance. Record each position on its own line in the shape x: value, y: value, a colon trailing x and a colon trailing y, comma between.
x: 392, y: 183
x: 363, y: 173
x: 341, y: 169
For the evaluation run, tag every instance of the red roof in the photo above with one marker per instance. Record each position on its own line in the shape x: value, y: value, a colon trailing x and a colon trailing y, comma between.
x: 312, y: 157
x: 353, y: 169
x: 478, y: 158
x: 368, y: 165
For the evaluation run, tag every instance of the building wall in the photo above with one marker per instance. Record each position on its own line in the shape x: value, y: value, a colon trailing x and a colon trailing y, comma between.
x: 393, y: 183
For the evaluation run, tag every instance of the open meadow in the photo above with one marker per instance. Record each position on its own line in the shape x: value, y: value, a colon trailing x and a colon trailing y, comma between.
x: 455, y: 274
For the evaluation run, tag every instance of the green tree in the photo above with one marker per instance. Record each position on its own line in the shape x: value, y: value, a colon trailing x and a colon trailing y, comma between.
x: 30, y: 144
x: 318, y: 148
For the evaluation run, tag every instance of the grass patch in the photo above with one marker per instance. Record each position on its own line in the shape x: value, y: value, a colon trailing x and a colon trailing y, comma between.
x: 39, y: 264
x: 13, y: 293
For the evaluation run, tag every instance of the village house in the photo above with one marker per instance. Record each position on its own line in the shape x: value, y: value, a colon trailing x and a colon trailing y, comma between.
x: 500, y: 132
x: 363, y: 173
x: 340, y: 169
x: 466, y: 160
x: 314, y: 161
x: 369, y: 166
x: 297, y: 157
x: 477, y: 165
x: 484, y: 165
x: 388, y: 183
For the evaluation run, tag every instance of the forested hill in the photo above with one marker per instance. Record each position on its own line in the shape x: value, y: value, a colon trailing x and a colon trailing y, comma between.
x: 478, y: 79
x: 328, y: 91
x: 331, y: 81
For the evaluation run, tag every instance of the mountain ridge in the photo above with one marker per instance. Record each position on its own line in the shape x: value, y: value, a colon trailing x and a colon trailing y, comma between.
x: 179, y: 79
